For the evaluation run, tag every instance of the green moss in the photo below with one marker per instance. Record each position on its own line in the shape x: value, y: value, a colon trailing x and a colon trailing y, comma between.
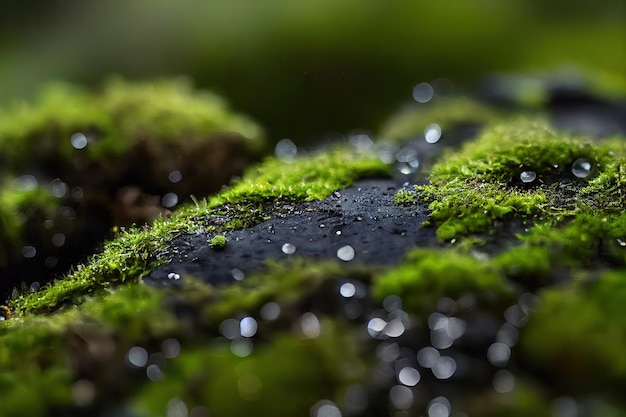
x: 429, y: 274
x: 479, y: 184
x: 132, y: 253
x: 18, y: 204
x: 115, y: 119
x: 585, y: 325
x: 218, y: 242
x: 447, y: 113
x: 308, y: 369
x: 586, y: 241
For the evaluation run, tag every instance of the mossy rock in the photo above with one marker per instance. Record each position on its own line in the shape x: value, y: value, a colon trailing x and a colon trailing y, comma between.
x: 344, y: 335
x: 123, y: 155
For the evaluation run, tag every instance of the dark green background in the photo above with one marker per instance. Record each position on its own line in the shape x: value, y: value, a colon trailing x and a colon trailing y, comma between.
x: 304, y: 68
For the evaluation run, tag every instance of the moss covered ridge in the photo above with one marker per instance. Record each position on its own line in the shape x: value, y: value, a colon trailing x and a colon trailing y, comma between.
x: 482, y: 183
x: 132, y: 253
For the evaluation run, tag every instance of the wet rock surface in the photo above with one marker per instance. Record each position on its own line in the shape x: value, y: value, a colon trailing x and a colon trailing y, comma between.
x: 362, y: 217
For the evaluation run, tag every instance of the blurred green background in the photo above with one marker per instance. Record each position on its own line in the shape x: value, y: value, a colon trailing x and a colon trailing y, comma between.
x: 305, y: 68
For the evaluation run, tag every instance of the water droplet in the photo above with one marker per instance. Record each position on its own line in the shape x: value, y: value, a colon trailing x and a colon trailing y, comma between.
x: 58, y: 188
x: 395, y: 328
x: 34, y: 287
x: 286, y: 150
x: 499, y: 354
x: 154, y: 373
x: 78, y: 140
x: 362, y: 142
x: 409, y: 376
x: 230, y: 329
x: 406, y: 154
x: 401, y: 397
x: 176, y: 408
x: 325, y: 408
x: 432, y: 133
x: 174, y: 276
x: 58, y: 240
x: 241, y: 347
x: 175, y: 176
x: 27, y: 182
x: 77, y: 193
x: 169, y: 200
x: 170, y: 348
x: 137, y: 356
x: 270, y: 311
x: 439, y: 407
x: 503, y: 381
x: 238, y: 274
x: 528, y: 176
x: 347, y: 290
x: 428, y: 356
x: 29, y: 251
x: 581, y: 168
x: 345, y: 253
x: 565, y: 407
x: 288, y: 249
x: 248, y: 327
x: 310, y: 325
x: 51, y: 261
x: 444, y: 368
x: 375, y: 326
x: 423, y: 92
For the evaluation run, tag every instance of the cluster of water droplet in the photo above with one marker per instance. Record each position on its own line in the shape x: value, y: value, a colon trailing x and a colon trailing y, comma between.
x: 581, y: 168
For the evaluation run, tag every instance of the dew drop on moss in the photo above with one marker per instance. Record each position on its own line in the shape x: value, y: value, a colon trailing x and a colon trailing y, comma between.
x: 169, y: 200
x: 528, y: 176
x: 286, y: 150
x: 581, y: 168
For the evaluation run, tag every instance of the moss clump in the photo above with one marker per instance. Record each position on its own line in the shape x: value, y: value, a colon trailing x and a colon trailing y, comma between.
x: 588, y: 241
x: 472, y: 188
x: 449, y: 114
x: 218, y: 242
x: 429, y: 274
x: 18, y: 204
x: 582, y: 324
x: 97, y: 335
x: 133, y: 252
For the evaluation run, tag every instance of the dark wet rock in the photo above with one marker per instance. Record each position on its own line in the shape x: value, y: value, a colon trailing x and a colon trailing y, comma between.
x: 363, y: 216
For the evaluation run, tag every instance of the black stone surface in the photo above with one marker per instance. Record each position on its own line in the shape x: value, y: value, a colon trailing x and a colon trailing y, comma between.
x: 362, y: 216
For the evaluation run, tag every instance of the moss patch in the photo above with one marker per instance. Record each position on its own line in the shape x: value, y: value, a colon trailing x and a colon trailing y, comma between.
x: 481, y: 183
x: 581, y: 324
x: 218, y: 242
x: 429, y: 274
x: 134, y: 251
